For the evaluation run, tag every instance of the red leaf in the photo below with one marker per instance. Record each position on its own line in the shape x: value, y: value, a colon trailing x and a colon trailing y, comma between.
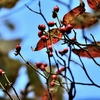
x: 93, y: 4
x: 93, y: 50
x: 55, y: 36
x: 71, y: 15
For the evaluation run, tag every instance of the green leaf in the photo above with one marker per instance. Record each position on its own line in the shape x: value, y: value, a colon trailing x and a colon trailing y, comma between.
x: 7, y: 45
x: 11, y: 68
x: 36, y: 82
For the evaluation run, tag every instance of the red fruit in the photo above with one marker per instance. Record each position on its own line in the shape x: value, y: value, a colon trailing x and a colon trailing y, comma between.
x: 61, y: 52
x: 62, y: 69
x: 40, y: 33
x: 52, y: 83
x: 62, y: 29
x: 42, y: 67
x: 38, y: 64
x: 54, y: 14
x: 69, y: 28
x: 56, y: 9
x: 1, y: 72
x: 65, y: 50
x: 51, y: 24
x: 54, y: 77
x: 50, y: 48
x: 73, y: 39
x: 42, y: 27
x: 44, y: 37
x: 50, y: 54
x: 45, y: 64
x: 18, y: 48
x: 58, y: 71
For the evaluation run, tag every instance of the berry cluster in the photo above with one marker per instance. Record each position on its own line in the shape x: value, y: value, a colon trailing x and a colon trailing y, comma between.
x: 66, y: 29
x: 41, y: 66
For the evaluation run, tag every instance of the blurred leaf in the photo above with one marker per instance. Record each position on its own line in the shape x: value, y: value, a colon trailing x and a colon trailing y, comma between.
x: 36, y: 82
x: 94, y: 4
x: 8, y: 3
x: 72, y: 14
x: 7, y: 45
x: 94, y: 50
x: 10, y: 66
x: 84, y: 20
x: 55, y: 36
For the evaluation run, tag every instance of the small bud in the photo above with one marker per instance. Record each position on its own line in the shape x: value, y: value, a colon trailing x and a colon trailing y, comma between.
x: 50, y: 48
x: 1, y: 72
x: 54, y: 14
x: 50, y: 54
x: 56, y: 9
x: 65, y: 50
x: 18, y: 48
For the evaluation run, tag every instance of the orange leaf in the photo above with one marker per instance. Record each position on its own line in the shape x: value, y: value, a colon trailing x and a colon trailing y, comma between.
x: 71, y: 15
x: 94, y: 4
x: 55, y: 36
x: 93, y: 50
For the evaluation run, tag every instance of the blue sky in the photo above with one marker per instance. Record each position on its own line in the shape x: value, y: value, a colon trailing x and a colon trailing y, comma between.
x: 26, y: 27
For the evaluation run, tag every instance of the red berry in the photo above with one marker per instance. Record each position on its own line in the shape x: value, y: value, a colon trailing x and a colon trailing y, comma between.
x: 45, y: 64
x: 73, y: 39
x: 69, y: 28
x: 61, y: 52
x: 62, y: 29
x: 65, y: 50
x: 62, y: 69
x: 50, y: 54
x: 1, y: 72
x: 50, y: 48
x: 52, y: 83
x: 42, y: 27
x: 44, y: 37
x: 56, y: 9
x: 58, y: 71
x: 54, y: 77
x: 40, y: 33
x: 42, y: 67
x: 54, y: 14
x: 51, y: 24
x: 38, y: 64
x: 18, y: 48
